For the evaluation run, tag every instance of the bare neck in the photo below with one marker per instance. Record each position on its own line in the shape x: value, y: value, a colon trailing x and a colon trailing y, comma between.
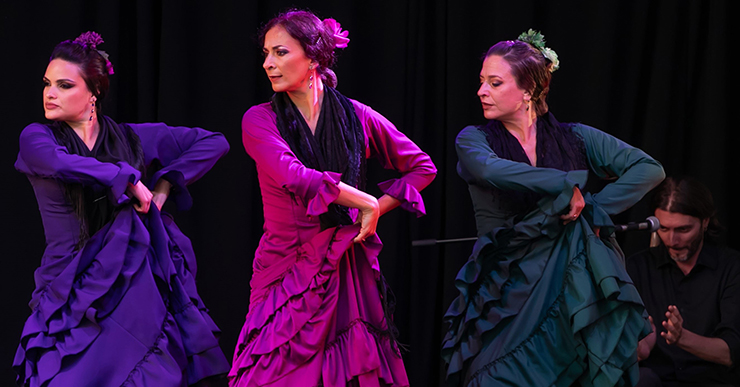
x: 87, y: 130
x: 309, y: 103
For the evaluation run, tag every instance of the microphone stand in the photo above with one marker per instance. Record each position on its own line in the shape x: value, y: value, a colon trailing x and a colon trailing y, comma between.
x: 429, y: 242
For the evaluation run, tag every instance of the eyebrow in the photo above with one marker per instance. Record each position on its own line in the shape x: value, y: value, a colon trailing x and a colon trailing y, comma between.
x: 60, y: 80
x: 275, y: 47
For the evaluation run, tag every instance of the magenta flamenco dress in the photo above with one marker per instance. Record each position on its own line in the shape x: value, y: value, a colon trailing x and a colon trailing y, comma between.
x: 315, y: 315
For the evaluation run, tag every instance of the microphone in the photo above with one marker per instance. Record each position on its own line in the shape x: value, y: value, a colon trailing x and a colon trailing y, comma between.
x: 651, y: 224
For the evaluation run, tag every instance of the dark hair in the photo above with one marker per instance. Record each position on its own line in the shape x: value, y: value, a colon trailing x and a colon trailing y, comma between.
x: 687, y: 196
x: 94, y: 66
x: 315, y: 38
x: 529, y: 67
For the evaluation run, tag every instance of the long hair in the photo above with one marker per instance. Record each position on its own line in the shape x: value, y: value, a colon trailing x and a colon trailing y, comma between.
x: 687, y: 196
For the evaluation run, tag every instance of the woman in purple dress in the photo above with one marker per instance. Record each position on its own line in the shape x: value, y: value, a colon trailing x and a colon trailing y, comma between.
x: 319, y: 313
x: 115, y: 302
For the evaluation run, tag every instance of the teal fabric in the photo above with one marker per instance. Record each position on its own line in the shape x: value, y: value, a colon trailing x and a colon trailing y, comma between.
x: 542, y: 303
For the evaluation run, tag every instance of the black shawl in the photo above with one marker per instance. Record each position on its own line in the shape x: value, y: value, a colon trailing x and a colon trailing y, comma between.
x: 115, y: 142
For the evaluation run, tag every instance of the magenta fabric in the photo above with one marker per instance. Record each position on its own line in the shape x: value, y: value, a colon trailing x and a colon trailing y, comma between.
x: 123, y: 310
x: 315, y: 315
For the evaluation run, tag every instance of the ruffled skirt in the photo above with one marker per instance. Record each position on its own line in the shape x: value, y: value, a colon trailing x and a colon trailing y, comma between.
x: 124, y: 311
x: 544, y: 308
x: 316, y: 319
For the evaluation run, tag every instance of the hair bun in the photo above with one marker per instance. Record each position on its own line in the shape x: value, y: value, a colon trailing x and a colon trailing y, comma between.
x: 90, y: 39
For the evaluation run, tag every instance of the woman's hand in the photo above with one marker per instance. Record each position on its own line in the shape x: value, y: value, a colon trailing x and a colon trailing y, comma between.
x: 367, y: 204
x: 368, y: 221
x: 576, y: 206
x: 161, y: 192
x: 142, y: 194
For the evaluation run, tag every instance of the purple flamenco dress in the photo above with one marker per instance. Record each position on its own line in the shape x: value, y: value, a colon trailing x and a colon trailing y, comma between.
x: 315, y: 314
x: 119, y: 308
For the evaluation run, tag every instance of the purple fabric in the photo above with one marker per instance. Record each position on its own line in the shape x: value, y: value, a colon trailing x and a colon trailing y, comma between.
x: 124, y: 309
x: 315, y: 315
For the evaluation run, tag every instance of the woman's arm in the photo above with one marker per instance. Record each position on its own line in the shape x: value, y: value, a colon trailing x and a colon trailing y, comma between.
x: 182, y: 155
x: 40, y: 155
x: 478, y: 164
x: 396, y: 151
x: 635, y: 172
x: 368, y: 206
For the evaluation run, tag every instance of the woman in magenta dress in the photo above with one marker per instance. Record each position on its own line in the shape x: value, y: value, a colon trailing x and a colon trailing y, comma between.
x: 317, y: 313
x: 115, y: 302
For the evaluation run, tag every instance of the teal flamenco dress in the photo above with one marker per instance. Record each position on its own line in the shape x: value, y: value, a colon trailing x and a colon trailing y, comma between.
x: 542, y: 303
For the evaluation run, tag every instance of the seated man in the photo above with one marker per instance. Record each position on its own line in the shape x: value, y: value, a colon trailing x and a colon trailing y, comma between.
x: 691, y: 289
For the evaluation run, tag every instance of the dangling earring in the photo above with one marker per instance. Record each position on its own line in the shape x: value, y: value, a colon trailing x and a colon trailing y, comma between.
x: 92, y: 111
x: 310, y: 82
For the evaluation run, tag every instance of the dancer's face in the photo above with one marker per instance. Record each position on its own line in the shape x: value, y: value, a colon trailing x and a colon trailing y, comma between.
x: 286, y: 64
x: 683, y: 235
x: 499, y: 93
x: 66, y: 96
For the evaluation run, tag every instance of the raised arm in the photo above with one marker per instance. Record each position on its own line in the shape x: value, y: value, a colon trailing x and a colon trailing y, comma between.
x: 40, y: 155
x: 478, y: 164
x: 275, y: 160
x: 396, y: 151
x: 635, y: 172
x: 179, y: 155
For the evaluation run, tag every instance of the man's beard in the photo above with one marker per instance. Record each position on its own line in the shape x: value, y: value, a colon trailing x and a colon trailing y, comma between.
x: 690, y: 250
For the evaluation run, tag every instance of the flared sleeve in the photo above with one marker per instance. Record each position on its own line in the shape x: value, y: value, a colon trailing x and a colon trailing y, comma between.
x: 633, y: 171
x: 181, y: 155
x: 40, y: 155
x: 396, y: 151
x: 273, y: 155
x: 478, y: 164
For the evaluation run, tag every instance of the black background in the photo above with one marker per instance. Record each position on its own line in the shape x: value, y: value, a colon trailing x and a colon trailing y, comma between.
x: 656, y: 74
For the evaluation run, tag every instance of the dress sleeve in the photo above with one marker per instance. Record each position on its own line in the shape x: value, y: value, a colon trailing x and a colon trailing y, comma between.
x: 479, y: 165
x: 273, y: 156
x: 40, y: 155
x: 396, y: 151
x: 635, y: 172
x: 180, y: 155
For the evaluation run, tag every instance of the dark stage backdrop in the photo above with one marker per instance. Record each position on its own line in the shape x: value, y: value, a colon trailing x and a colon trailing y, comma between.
x: 653, y: 73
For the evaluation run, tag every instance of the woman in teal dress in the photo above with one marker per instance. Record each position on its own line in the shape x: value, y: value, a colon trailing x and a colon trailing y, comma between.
x: 545, y: 299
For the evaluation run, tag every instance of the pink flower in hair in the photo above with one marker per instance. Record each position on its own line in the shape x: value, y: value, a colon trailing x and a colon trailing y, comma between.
x: 90, y: 39
x: 340, y: 37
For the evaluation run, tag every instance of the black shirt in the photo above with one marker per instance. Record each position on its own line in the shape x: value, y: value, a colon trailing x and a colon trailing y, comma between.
x: 708, y: 299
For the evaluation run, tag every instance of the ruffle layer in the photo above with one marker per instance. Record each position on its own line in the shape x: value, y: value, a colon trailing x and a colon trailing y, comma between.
x: 290, y: 318
x: 408, y: 195
x: 592, y: 319
x: 110, y: 285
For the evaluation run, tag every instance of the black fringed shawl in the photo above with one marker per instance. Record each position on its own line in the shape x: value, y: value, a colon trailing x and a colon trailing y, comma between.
x: 114, y: 143
x: 338, y: 145
x: 557, y: 147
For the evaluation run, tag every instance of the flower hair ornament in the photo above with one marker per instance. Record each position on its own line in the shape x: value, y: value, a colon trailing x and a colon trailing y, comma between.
x: 92, y: 39
x: 340, y: 37
x: 537, y: 40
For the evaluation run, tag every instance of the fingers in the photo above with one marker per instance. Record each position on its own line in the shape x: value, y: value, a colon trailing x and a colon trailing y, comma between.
x: 369, y: 222
x: 673, y: 325
x: 570, y: 216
